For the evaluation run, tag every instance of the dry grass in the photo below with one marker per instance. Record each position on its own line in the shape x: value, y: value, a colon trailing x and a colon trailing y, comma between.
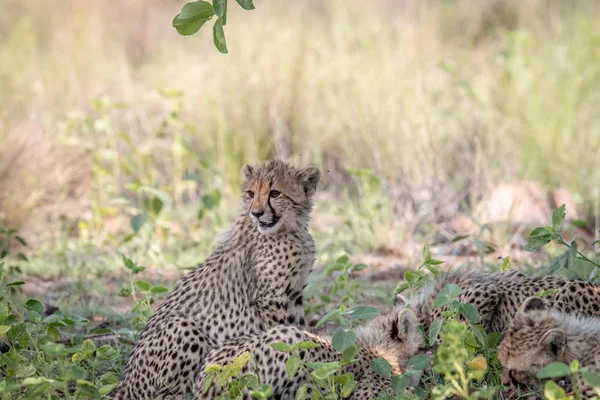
x: 440, y: 99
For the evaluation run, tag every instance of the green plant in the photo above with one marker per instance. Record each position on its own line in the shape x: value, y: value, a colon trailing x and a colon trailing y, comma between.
x: 571, y: 258
x: 414, y: 280
x: 576, y: 375
x: 195, y: 14
x: 232, y: 383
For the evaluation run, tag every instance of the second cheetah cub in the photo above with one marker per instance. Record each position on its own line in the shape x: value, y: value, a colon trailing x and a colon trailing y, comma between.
x: 539, y: 335
x: 393, y: 336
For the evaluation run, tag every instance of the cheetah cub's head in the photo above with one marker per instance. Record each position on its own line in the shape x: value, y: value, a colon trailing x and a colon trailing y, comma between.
x: 395, y: 336
x: 533, y: 340
x: 277, y: 195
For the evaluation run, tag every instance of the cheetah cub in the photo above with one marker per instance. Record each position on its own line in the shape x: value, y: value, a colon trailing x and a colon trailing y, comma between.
x: 252, y: 281
x: 539, y: 335
x: 393, y: 336
x: 498, y: 295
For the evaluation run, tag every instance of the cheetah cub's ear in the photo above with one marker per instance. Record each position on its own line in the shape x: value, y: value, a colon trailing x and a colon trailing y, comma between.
x: 247, y: 172
x: 534, y: 304
x: 405, y: 325
x: 555, y: 340
x: 309, y: 177
x: 399, y: 300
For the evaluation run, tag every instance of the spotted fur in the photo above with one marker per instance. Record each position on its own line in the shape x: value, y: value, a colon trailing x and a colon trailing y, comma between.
x: 393, y: 336
x: 497, y: 296
x: 540, y: 335
x: 252, y: 281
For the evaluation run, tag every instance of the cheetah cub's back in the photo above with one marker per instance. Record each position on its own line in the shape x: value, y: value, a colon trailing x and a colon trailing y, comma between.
x: 253, y: 280
x: 393, y: 336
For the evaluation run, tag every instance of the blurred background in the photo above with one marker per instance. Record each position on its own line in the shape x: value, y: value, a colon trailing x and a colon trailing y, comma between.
x: 458, y: 123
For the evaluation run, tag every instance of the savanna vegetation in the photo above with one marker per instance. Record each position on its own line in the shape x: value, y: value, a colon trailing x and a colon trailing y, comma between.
x: 122, y: 143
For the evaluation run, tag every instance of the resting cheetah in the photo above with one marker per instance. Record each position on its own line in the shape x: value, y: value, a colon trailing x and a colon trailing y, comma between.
x: 497, y: 296
x: 539, y: 335
x: 252, y: 281
x: 393, y: 336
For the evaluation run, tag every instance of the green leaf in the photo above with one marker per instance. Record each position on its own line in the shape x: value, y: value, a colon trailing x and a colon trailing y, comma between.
x: 34, y: 305
x: 469, y: 311
x: 159, y: 289
x: 192, y: 17
x: 400, y: 383
x: 381, y: 367
x: 21, y: 240
x: 362, y: 312
x: 128, y: 263
x: 207, y: 383
x: 434, y: 331
x: 4, y: 329
x: 211, y: 200
x: 348, y: 388
x: 305, y: 345
x: 246, y: 4
x: 106, y: 389
x: 538, y: 238
x: 292, y: 364
x: 591, y: 379
x: 349, y: 353
x: 137, y: 221
x: 281, y: 346
x: 342, y: 339
x: 552, y: 391
x: 301, y: 392
x: 558, y: 218
x: 546, y: 292
x: 220, y: 7
x: 447, y: 295
x: 16, y: 283
x: 143, y: 286
x: 419, y: 362
x: 106, y: 352
x: 250, y: 381
x: 505, y: 264
x: 212, y: 368
x: 219, y: 37
x: 554, y: 370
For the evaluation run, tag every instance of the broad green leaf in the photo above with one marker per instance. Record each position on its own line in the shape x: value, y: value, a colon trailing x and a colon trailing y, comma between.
x: 246, y: 4
x: 137, y: 221
x: 159, y: 289
x: 469, y: 311
x: 554, y: 370
x: 546, y: 292
x: 349, y: 353
x: 363, y: 312
x: 305, y: 345
x: 558, y: 218
x: 34, y: 305
x: 250, y: 381
x: 207, y: 383
x: 281, y: 346
x: 506, y: 265
x: 106, y: 352
x: 381, y: 367
x: 552, y: 391
x: 434, y: 331
x: 447, y: 295
x: 212, y: 368
x: 220, y: 7
x: 348, y: 388
x: 342, y: 339
x: 128, y: 263
x: 219, y: 37
x: 592, y: 379
x: 106, y: 389
x: 301, y: 392
x: 292, y: 364
x: 344, y: 379
x: 419, y: 362
x: 400, y: 383
x: 538, y: 238
x: 4, y: 329
x: 16, y: 283
x: 143, y: 285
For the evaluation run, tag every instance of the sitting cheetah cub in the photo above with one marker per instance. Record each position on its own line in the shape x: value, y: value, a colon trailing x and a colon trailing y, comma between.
x: 252, y: 281
x: 539, y: 335
x: 393, y: 336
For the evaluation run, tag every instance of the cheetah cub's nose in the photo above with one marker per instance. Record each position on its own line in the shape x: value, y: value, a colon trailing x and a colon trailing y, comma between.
x: 257, y: 214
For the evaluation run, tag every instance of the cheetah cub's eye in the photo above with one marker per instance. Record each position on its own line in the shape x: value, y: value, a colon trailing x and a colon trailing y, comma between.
x: 250, y: 194
x: 275, y: 193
